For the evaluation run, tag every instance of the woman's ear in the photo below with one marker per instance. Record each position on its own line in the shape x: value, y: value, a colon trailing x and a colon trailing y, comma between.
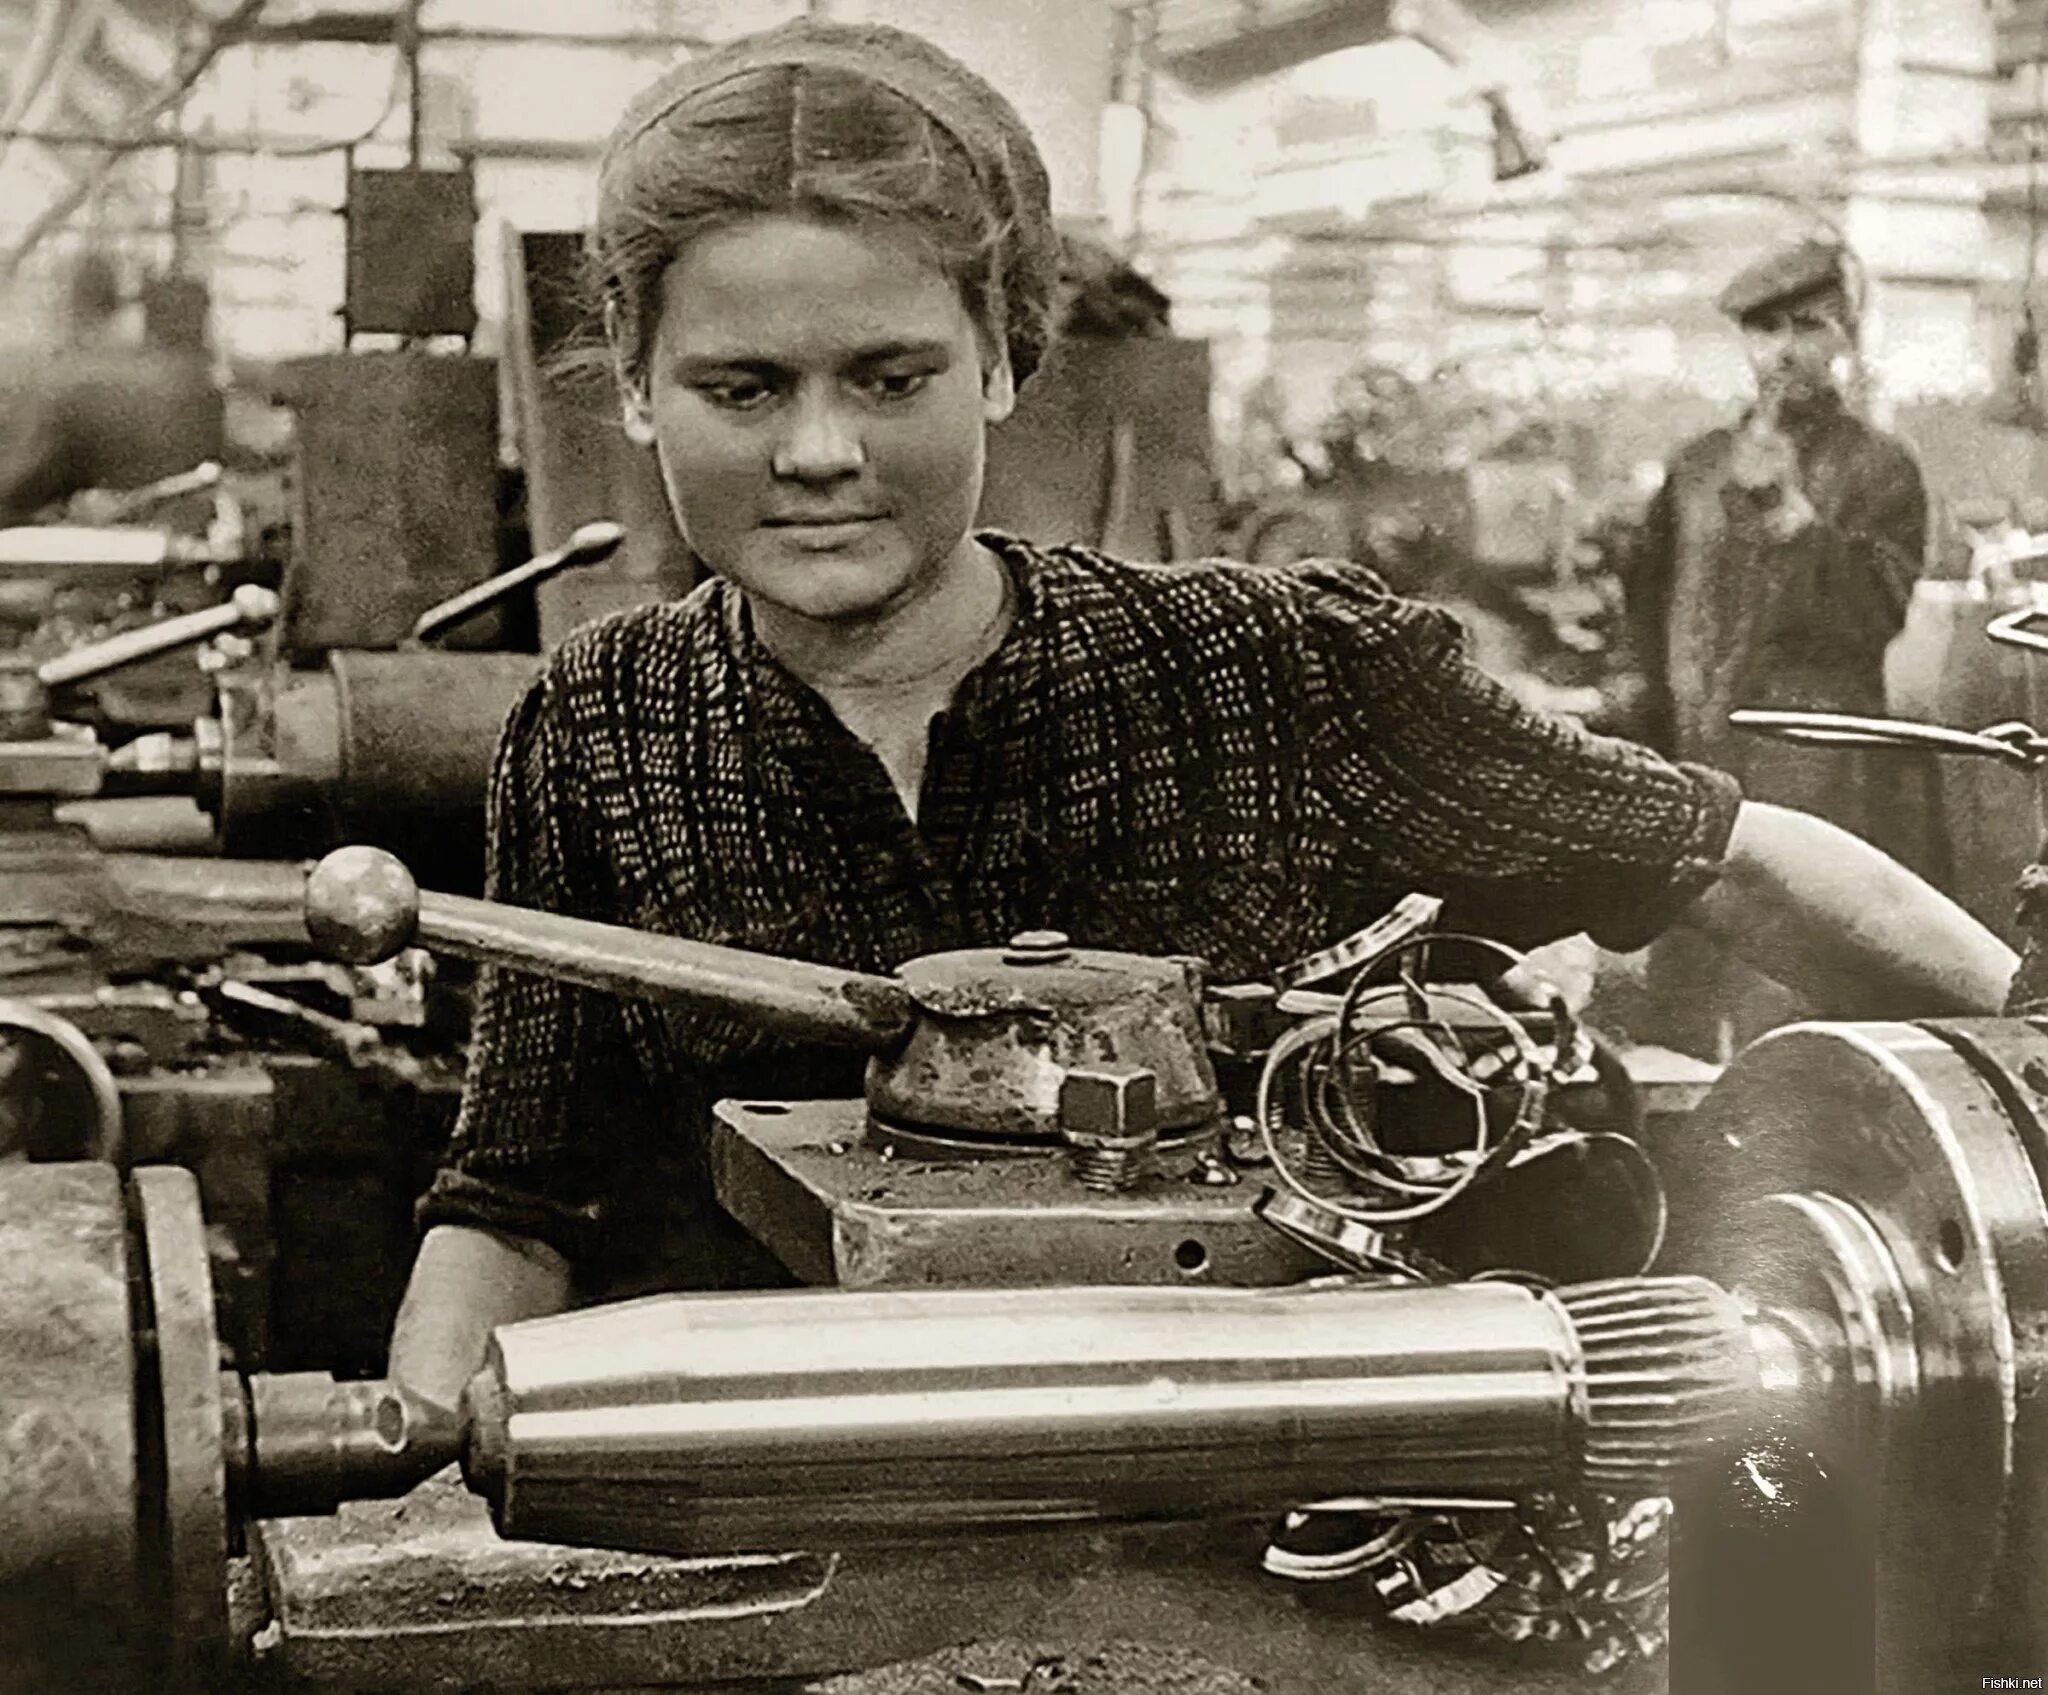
x: 998, y: 390
x: 637, y: 409
x: 635, y: 404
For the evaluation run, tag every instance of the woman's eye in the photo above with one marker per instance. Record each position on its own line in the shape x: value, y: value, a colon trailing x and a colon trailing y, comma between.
x: 738, y: 396
x: 897, y: 385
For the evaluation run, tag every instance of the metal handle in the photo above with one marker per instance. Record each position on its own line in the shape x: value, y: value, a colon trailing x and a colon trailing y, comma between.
x: 590, y: 544
x: 45, y: 547
x: 362, y: 906
x: 2014, y: 743
x: 2010, y: 629
x: 251, y: 608
x: 205, y: 475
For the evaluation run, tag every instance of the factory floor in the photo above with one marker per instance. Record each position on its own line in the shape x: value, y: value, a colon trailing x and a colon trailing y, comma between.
x: 1388, y: 1663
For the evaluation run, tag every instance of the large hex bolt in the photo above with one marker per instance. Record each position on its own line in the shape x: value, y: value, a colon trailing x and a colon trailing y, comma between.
x: 1109, y: 1119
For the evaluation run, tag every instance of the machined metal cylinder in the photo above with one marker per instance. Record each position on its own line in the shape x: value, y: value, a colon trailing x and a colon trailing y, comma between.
x: 695, y: 1423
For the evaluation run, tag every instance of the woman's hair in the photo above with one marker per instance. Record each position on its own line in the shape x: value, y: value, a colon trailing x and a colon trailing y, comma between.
x: 850, y: 124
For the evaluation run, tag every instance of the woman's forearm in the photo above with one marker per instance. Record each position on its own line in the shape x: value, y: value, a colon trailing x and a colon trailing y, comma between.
x: 1846, y: 927
x: 465, y: 1283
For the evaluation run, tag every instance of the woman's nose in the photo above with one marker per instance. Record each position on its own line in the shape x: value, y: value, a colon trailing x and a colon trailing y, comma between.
x: 821, y: 442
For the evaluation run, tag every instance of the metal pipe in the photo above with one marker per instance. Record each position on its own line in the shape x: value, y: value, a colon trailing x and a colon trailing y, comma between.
x: 743, y: 1422
x: 587, y: 546
x: 251, y: 608
x: 362, y: 905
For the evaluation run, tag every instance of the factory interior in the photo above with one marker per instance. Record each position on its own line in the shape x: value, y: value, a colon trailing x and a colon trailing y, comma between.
x: 1449, y: 1093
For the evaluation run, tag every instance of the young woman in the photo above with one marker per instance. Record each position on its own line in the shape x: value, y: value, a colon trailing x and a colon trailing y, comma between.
x: 827, y: 260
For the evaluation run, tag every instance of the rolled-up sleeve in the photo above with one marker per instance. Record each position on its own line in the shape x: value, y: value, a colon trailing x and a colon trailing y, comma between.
x: 1429, y: 775
x: 553, y: 1082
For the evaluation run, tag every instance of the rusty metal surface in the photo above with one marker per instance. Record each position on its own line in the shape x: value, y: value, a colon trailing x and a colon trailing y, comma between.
x: 69, y: 1550
x: 419, y: 1595
x: 2013, y: 1057
x: 805, y: 1179
x: 191, y: 1536
x: 272, y: 759
x: 218, y: 1120
x: 1000, y: 1028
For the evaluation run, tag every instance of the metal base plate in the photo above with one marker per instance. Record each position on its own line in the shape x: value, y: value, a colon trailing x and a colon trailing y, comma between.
x: 804, y: 1179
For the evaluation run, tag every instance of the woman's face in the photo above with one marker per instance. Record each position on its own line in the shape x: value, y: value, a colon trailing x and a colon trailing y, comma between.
x: 817, y: 399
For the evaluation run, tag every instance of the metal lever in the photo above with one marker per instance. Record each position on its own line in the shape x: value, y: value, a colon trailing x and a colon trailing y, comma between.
x: 250, y: 608
x: 590, y: 544
x: 2014, y: 743
x: 2010, y: 629
x: 363, y: 906
x: 32, y: 548
x: 205, y: 475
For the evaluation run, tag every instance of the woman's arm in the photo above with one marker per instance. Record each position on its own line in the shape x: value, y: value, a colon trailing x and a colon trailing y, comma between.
x: 466, y: 1282
x: 552, y: 1101
x: 1844, y: 925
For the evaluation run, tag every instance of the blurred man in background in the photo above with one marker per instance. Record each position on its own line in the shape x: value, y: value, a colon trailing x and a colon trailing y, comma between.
x: 1775, y: 568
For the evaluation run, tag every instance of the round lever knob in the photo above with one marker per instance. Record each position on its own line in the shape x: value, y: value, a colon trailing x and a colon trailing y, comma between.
x: 362, y: 905
x: 591, y: 542
x: 255, y: 604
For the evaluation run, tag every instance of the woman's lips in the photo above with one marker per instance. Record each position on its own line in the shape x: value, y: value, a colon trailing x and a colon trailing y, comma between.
x: 823, y: 533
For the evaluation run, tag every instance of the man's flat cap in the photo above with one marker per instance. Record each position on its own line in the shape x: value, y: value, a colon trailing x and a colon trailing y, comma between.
x: 1788, y: 275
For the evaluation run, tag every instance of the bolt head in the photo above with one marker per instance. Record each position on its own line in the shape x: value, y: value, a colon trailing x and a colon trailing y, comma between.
x: 1114, y: 1108
x: 362, y: 905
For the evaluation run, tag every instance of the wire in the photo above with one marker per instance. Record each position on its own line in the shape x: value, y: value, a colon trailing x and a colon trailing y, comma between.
x: 1299, y: 1045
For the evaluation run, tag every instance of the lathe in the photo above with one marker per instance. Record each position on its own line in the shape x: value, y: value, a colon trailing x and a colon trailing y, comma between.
x: 308, y: 1098
x: 1831, y: 1341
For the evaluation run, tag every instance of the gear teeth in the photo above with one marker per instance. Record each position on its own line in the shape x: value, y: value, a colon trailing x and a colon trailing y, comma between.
x: 1667, y: 1371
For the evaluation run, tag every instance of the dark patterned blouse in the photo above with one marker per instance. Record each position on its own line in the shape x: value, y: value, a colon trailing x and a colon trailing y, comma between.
x: 1235, y: 762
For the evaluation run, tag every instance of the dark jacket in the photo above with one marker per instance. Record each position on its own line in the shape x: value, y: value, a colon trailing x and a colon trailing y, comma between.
x: 1223, y: 760
x: 1724, y: 615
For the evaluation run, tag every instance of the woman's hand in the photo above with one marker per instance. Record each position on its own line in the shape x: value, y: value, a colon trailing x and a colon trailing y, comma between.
x: 465, y: 1283
x: 1566, y: 965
